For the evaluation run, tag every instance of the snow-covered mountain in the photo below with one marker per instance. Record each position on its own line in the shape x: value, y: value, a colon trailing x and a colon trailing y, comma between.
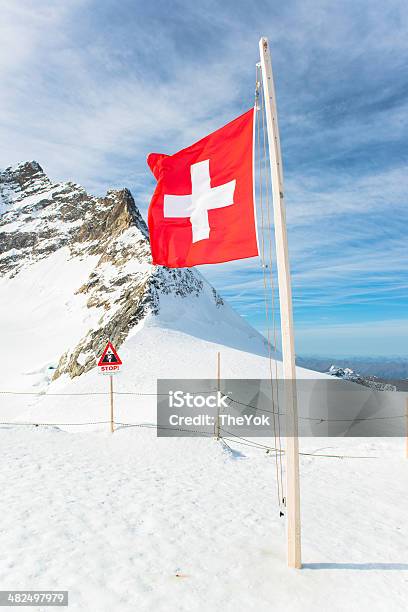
x: 367, y: 381
x: 76, y: 270
x: 383, y: 367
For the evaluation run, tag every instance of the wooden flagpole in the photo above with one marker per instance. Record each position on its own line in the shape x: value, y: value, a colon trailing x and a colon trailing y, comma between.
x: 111, y: 402
x: 285, y: 301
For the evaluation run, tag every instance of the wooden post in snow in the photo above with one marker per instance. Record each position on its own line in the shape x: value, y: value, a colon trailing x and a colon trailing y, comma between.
x: 285, y: 301
x: 111, y: 402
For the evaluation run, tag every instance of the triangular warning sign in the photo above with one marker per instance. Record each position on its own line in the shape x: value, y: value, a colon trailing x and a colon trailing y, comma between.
x: 109, y: 355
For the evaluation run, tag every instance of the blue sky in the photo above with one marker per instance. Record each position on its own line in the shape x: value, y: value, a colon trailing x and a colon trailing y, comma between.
x: 89, y: 88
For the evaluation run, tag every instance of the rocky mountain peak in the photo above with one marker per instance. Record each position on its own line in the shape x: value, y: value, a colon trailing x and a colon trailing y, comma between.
x: 39, y: 217
x: 25, y: 179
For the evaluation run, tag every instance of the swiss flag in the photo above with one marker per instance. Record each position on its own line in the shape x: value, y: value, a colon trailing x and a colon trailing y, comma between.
x: 202, y: 210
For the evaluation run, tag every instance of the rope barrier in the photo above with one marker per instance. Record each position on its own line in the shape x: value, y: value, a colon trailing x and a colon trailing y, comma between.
x: 235, y: 401
x: 27, y: 424
x: 44, y: 394
x: 318, y: 419
x: 236, y: 439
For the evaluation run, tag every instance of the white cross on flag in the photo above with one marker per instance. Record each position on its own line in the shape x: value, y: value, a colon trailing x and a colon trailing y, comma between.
x: 202, y: 210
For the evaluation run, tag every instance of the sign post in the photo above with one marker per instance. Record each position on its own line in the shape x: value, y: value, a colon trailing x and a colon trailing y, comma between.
x: 111, y: 402
x: 109, y: 364
x: 217, y: 425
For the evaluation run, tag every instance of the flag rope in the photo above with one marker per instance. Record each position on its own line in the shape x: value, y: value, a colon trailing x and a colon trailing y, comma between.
x: 261, y: 154
x: 272, y: 285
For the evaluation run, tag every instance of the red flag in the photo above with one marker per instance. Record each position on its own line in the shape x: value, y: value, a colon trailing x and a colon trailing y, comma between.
x: 202, y: 210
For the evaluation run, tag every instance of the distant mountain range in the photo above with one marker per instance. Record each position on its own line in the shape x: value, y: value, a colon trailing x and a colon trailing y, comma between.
x: 375, y: 372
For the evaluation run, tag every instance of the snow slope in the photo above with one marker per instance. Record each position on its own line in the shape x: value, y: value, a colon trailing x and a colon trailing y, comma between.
x: 131, y: 522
